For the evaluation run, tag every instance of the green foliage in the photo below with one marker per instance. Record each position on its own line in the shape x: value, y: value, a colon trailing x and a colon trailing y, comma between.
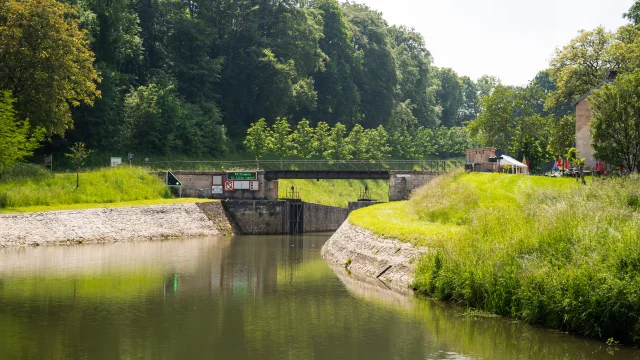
x: 338, y: 95
x: 322, y: 140
x: 335, y: 192
x: 498, y: 122
x: 449, y: 96
x: 78, y: 154
x: 377, y: 144
x: 616, y: 124
x: 470, y: 107
x: 17, y: 138
x: 562, y: 136
x: 358, y: 143
x: 257, y: 139
x: 413, y: 68
x: 538, y: 249
x: 581, y: 65
x: 325, y: 142
x: 109, y: 185
x: 375, y: 69
x: 280, y: 140
x: 633, y: 14
x: 159, y: 120
x: 512, y: 120
x: 339, y: 147
x: 46, y: 62
x: 303, y: 138
x: 24, y: 172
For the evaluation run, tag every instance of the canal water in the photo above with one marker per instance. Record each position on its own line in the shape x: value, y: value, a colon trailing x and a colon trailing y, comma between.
x: 239, y: 298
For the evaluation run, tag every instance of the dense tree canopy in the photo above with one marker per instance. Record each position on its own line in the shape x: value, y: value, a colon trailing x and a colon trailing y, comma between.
x: 329, y: 80
x: 616, y: 123
x: 46, y: 61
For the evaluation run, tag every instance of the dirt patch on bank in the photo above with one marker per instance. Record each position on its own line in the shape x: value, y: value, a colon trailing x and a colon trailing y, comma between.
x: 373, y: 257
x: 112, y: 225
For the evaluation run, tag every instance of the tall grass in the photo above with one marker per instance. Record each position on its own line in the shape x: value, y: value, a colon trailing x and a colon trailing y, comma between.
x: 29, y: 186
x: 335, y: 192
x: 538, y: 249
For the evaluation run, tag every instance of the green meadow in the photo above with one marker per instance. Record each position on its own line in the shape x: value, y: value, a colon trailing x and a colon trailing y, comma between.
x: 334, y: 192
x: 543, y: 250
x: 29, y: 186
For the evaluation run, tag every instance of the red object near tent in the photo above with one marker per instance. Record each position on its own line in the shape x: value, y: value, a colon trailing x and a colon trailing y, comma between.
x: 559, y: 163
x: 597, y: 167
x: 566, y: 164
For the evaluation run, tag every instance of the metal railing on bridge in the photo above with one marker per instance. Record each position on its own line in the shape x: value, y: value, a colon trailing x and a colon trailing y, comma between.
x: 312, y: 165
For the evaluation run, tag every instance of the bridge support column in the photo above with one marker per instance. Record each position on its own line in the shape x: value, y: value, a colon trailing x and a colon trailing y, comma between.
x: 403, y: 183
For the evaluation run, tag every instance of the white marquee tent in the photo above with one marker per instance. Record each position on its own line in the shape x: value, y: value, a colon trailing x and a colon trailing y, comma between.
x: 516, y: 166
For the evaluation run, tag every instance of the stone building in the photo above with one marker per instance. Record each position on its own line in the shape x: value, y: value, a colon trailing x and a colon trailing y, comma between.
x: 584, y: 115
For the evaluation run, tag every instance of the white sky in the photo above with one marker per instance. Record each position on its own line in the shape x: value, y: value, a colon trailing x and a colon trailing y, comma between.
x: 511, y: 39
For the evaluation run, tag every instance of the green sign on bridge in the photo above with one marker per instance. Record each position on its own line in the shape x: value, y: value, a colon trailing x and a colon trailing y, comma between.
x: 242, y: 176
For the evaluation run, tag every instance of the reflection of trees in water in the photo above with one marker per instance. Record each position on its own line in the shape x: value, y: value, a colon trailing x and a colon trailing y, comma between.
x: 480, y: 336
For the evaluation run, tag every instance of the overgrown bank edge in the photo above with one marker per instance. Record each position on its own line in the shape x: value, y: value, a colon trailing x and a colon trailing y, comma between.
x: 537, y: 249
x: 33, y: 186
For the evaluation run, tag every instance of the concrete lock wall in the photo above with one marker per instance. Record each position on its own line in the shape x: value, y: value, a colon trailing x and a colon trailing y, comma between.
x: 198, y: 184
x: 321, y: 218
x: 356, y: 205
x: 402, y: 183
x: 257, y: 217
x: 272, y: 217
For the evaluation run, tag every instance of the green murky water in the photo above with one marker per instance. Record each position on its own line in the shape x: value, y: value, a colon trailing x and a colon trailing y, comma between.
x: 239, y: 298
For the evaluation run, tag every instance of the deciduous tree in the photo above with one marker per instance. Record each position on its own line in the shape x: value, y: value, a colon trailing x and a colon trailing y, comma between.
x: 46, y: 61
x: 256, y: 141
x: 616, y: 121
x: 18, y: 140
x: 280, y: 139
x: 580, y: 65
x: 303, y: 138
x: 78, y: 155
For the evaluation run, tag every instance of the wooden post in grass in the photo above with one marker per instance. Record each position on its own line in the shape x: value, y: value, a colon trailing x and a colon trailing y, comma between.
x: 78, y: 155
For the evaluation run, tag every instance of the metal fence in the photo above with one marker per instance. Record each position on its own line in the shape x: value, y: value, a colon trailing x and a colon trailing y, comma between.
x: 314, y: 165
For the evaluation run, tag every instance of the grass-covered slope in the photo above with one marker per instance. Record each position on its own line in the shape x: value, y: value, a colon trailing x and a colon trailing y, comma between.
x: 335, y: 192
x: 32, y: 187
x: 543, y: 250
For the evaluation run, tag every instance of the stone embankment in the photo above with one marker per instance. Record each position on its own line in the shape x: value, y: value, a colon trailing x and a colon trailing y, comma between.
x: 113, y: 224
x: 372, y: 257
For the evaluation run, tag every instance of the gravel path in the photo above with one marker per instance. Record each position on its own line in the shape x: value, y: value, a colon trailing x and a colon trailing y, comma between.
x: 106, y: 225
x: 373, y: 257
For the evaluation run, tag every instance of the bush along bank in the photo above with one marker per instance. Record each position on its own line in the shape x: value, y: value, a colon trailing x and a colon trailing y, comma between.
x: 541, y: 250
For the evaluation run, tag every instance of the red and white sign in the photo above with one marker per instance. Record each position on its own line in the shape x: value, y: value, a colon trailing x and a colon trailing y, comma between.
x: 229, y: 185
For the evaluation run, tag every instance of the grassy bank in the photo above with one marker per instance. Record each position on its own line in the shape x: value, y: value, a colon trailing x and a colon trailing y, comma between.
x: 335, y: 192
x: 30, y: 186
x: 542, y: 250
